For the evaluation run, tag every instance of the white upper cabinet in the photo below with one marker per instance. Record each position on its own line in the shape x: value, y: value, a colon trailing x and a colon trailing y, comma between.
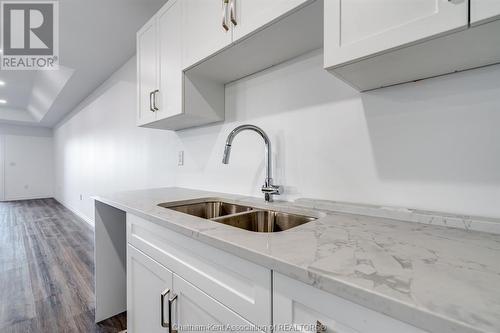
x: 159, y: 69
x: 147, y: 71
x: 189, y: 50
x: 250, y: 15
x: 355, y: 29
x: 203, y: 30
x: 379, y: 43
x: 170, y: 53
x: 484, y: 10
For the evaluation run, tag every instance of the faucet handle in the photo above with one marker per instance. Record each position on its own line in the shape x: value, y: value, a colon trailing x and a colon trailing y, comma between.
x: 272, y: 189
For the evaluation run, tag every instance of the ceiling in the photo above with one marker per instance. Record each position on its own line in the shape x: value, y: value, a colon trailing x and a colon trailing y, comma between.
x: 95, y: 38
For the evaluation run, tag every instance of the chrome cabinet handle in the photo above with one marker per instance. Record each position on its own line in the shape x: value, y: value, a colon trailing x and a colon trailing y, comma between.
x: 170, y: 302
x: 162, y: 303
x: 150, y: 102
x: 232, y: 10
x: 224, y: 15
x: 154, y: 100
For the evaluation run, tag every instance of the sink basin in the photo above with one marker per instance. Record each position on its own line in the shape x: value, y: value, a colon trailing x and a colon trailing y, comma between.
x: 264, y: 220
x: 239, y: 216
x: 207, y: 210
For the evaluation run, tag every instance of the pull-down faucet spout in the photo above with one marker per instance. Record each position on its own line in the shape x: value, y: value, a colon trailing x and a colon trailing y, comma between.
x: 268, y: 188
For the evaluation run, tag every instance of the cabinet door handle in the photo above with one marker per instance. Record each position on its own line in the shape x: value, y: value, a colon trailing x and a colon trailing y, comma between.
x: 154, y: 100
x: 224, y: 15
x: 170, y: 303
x: 151, y: 102
x: 162, y: 304
x: 233, y: 12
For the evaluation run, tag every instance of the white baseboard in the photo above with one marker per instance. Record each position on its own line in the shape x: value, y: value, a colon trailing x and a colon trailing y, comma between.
x: 75, y: 211
x: 33, y: 197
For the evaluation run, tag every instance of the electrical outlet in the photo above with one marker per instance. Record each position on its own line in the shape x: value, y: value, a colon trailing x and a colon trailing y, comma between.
x: 180, y: 160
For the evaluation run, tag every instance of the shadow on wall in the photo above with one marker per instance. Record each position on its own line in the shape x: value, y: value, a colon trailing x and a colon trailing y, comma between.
x: 440, y: 130
x: 298, y: 84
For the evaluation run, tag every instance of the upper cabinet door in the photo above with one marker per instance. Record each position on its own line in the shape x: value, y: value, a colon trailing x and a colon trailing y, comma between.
x: 484, y: 10
x: 355, y: 29
x: 149, y: 286
x: 250, y: 15
x: 170, y: 47
x: 203, y: 31
x: 147, y: 71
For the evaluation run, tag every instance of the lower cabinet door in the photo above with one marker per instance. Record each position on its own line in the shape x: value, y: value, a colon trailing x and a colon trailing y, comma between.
x: 298, y: 307
x: 195, y: 311
x: 149, y: 287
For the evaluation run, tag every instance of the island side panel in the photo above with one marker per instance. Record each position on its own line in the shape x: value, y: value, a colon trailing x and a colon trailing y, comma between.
x: 110, y: 261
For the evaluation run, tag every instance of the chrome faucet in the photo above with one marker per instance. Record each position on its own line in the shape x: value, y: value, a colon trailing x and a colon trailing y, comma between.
x: 268, y: 188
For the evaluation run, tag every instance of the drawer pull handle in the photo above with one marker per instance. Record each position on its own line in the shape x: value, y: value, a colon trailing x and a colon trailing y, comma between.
x: 224, y: 15
x: 233, y: 12
x: 162, y: 304
x: 151, y: 102
x: 170, y: 302
x: 154, y: 100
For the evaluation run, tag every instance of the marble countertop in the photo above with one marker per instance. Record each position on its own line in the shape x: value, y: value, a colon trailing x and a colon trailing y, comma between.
x: 437, y: 278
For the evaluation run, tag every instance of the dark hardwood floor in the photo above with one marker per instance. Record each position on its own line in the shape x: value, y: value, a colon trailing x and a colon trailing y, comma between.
x: 46, y: 270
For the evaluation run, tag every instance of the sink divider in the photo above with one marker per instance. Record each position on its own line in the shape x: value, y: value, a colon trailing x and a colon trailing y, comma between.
x: 252, y: 210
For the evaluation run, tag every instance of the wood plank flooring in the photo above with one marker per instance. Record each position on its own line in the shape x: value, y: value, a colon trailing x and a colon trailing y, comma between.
x: 46, y: 271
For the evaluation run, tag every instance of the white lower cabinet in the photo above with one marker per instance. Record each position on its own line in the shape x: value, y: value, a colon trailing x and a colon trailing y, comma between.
x: 149, y: 285
x: 193, y: 310
x: 308, y: 309
x: 158, y: 300
x: 177, y: 284
x: 201, y: 285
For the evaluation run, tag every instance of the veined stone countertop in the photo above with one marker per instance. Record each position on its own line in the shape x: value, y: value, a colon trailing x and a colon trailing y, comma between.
x: 437, y: 278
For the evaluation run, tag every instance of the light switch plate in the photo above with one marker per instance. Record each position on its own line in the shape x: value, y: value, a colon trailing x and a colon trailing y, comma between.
x: 180, y: 160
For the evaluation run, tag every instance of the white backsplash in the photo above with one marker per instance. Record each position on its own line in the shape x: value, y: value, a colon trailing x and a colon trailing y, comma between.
x: 429, y: 145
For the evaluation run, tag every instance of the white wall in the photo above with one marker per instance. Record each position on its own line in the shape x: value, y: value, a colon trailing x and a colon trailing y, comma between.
x: 26, y: 162
x: 431, y: 145
x: 98, y: 148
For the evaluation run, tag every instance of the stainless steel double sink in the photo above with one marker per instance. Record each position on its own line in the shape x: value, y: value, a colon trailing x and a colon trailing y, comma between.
x: 239, y: 216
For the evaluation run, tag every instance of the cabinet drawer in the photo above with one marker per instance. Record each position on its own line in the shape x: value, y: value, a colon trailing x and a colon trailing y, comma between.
x: 304, y: 307
x: 240, y: 285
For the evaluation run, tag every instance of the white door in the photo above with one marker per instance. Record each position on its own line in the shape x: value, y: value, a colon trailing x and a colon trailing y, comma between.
x: 355, y: 29
x: 147, y: 71
x: 194, y: 309
x: 169, y: 99
x: 202, y: 27
x: 253, y: 14
x: 149, y: 285
x: 484, y: 10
